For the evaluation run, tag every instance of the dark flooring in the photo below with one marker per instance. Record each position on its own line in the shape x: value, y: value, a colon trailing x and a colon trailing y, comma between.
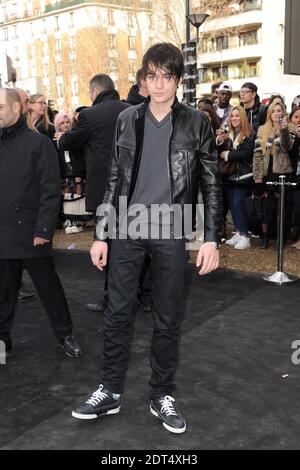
x: 236, y: 346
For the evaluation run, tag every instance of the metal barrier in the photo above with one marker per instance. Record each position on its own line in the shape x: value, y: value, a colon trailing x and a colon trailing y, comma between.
x: 280, y: 277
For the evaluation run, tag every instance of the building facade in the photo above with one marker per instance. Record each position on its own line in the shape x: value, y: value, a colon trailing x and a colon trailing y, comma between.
x: 246, y: 43
x: 57, y: 46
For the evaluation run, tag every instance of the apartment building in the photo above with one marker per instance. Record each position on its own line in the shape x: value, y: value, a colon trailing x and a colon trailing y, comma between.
x: 57, y: 46
x: 246, y: 43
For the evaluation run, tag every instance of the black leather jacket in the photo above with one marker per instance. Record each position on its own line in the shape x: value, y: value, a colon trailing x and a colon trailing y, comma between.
x: 192, y: 163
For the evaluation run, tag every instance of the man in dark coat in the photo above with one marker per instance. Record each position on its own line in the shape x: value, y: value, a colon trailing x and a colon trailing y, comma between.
x: 30, y: 187
x: 94, y: 133
x: 256, y: 112
x: 138, y: 92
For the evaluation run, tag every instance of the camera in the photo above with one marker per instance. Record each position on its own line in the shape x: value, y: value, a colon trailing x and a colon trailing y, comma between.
x: 281, y: 118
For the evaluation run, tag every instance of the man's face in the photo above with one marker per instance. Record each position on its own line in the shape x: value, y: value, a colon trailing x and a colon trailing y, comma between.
x: 8, y: 114
x: 224, y: 98
x: 247, y: 95
x: 161, y: 85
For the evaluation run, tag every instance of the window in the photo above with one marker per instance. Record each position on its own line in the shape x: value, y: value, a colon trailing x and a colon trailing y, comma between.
x: 71, y: 20
x: 110, y: 18
x: 220, y: 73
x: 221, y: 43
x: 31, y: 51
x: 130, y: 20
x: 248, y: 39
x: 131, y: 43
x: 16, y: 53
x: 56, y: 23
x: 59, y: 90
x: 15, y: 32
x: 4, y: 13
x: 112, y: 41
x: 58, y: 46
x: 73, y: 43
x: 132, y: 68
x: 74, y: 88
x: 5, y: 34
x: 59, y: 68
x: 112, y: 65
x: 44, y: 27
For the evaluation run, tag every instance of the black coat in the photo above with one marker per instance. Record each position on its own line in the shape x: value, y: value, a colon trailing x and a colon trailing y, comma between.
x: 30, y: 192
x: 94, y: 133
x: 134, y: 97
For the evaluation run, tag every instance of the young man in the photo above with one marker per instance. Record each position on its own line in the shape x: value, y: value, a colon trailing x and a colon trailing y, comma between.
x: 224, y: 107
x: 256, y: 112
x: 163, y: 151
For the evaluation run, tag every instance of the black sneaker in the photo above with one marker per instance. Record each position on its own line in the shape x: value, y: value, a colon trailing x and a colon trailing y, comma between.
x: 164, y: 409
x: 101, y: 403
x: 70, y: 346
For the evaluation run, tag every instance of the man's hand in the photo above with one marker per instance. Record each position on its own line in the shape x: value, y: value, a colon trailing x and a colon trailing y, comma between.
x: 208, y: 258
x: 98, y: 254
x: 40, y: 241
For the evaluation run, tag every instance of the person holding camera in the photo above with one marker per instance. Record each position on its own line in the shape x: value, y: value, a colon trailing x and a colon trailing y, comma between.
x: 235, y: 147
x: 273, y: 148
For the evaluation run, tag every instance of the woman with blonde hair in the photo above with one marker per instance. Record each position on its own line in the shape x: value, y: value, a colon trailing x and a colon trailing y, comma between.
x: 37, y: 116
x: 236, y: 153
x: 274, y: 143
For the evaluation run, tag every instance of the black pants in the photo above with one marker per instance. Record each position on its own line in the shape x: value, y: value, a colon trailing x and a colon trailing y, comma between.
x: 48, y: 286
x: 297, y: 209
x: 145, y: 290
x: 168, y: 270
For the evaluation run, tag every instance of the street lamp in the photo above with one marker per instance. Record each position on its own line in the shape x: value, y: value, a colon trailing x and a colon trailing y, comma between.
x: 190, y: 55
x: 197, y: 20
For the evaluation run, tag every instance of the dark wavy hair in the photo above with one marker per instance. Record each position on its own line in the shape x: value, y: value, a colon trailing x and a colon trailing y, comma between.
x: 164, y: 56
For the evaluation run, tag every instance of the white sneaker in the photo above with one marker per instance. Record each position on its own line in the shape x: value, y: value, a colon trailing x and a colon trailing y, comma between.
x: 233, y: 240
x: 68, y: 226
x: 76, y: 227
x: 243, y: 243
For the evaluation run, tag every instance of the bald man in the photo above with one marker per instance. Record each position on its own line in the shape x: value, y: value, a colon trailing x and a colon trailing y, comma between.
x: 30, y: 181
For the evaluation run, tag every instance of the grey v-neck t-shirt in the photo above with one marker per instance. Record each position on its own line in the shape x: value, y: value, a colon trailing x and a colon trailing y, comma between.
x: 153, y: 182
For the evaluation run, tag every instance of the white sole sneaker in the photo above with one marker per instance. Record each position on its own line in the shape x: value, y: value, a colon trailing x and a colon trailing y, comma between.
x: 114, y: 411
x: 169, y: 428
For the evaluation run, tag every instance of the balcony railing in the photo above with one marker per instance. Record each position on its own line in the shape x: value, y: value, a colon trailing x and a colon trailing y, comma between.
x: 124, y: 3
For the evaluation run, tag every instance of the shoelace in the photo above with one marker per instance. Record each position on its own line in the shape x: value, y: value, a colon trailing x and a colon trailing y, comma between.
x: 97, y: 397
x: 167, y: 406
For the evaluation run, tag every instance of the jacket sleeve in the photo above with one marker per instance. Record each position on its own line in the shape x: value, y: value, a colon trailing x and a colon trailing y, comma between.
x: 47, y: 173
x: 258, y: 159
x: 287, y: 139
x: 210, y: 184
x: 78, y: 136
x: 106, y: 215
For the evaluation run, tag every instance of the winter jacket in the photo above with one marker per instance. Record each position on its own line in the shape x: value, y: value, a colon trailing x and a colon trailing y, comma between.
x: 94, y: 133
x: 279, y: 147
x: 30, y: 192
x: 134, y: 97
x: 242, y: 153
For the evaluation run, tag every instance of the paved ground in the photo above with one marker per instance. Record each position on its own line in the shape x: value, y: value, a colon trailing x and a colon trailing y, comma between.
x: 236, y: 348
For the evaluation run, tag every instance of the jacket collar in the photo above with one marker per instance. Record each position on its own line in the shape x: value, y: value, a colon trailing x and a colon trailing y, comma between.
x: 13, y: 130
x: 106, y: 95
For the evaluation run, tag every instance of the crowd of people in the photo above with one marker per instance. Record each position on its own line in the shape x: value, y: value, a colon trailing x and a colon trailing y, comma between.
x: 256, y: 144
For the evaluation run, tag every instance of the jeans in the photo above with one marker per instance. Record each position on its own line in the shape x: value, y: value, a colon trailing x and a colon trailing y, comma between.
x: 168, y: 269
x: 236, y: 196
